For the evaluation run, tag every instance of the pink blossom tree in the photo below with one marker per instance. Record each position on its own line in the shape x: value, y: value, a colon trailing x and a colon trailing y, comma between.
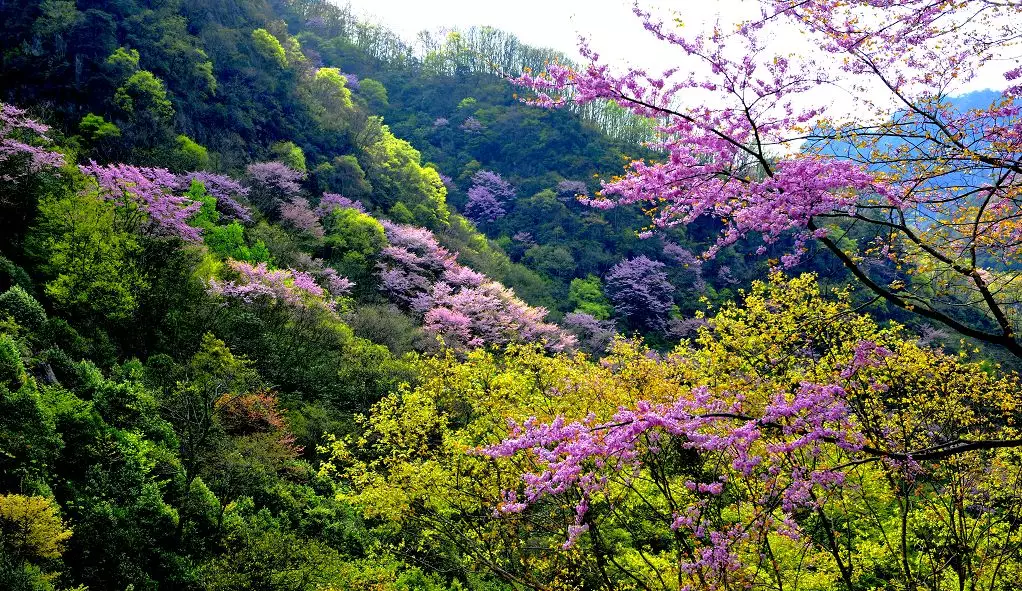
x: 482, y: 206
x: 458, y: 305
x: 752, y: 140
x: 260, y: 285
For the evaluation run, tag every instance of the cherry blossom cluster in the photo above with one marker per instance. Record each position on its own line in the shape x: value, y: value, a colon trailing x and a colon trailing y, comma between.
x: 19, y: 135
x: 258, y: 284
x: 457, y: 304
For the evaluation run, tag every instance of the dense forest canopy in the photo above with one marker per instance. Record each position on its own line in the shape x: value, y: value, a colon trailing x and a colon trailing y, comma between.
x: 290, y: 302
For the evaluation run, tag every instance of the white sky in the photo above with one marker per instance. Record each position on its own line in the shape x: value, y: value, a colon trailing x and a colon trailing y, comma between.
x: 613, y: 30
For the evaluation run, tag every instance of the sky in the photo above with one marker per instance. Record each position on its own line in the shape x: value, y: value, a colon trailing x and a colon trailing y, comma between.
x: 609, y: 24
x: 611, y: 27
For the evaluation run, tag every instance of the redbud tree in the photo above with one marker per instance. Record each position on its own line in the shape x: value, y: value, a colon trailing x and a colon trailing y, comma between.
x: 909, y: 182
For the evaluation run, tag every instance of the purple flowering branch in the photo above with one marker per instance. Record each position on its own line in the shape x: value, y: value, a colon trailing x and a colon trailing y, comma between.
x: 150, y: 191
x: 225, y: 190
x: 19, y: 135
x: 761, y: 155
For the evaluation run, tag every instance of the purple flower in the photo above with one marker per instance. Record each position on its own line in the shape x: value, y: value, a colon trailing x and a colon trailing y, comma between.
x: 258, y: 284
x: 458, y: 305
x: 640, y: 291
x: 594, y: 336
x: 151, y: 191
x: 224, y: 189
x: 571, y: 190
x: 331, y: 201
x: 471, y: 125
x: 297, y: 214
x: 273, y: 184
x: 487, y: 196
x: 19, y: 135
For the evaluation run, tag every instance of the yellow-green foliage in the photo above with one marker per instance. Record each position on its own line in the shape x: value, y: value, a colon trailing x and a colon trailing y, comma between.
x: 329, y: 99
x: 290, y: 154
x: 190, y: 155
x: 413, y: 465
x: 88, y: 254
x: 396, y: 171
x: 269, y: 47
x: 31, y: 528
x: 143, y: 92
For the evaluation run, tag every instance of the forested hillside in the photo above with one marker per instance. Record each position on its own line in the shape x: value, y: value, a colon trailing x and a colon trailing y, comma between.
x: 289, y: 302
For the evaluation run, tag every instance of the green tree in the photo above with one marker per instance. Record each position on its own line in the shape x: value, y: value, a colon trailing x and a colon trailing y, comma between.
x: 375, y: 94
x: 188, y: 155
x: 290, y: 154
x: 97, y: 129
x: 213, y: 376
x: 32, y: 540
x: 23, y: 308
x: 352, y: 241
x: 267, y: 46
x: 123, y: 63
x: 229, y: 241
x: 586, y: 295
x: 396, y: 173
x: 144, y: 94
x: 329, y: 100
x: 343, y: 175
x: 88, y: 258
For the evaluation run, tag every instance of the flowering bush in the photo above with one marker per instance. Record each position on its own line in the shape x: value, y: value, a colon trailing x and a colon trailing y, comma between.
x: 487, y: 197
x: 298, y: 215
x: 331, y: 201
x: 273, y: 184
x: 226, y: 190
x: 260, y: 284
